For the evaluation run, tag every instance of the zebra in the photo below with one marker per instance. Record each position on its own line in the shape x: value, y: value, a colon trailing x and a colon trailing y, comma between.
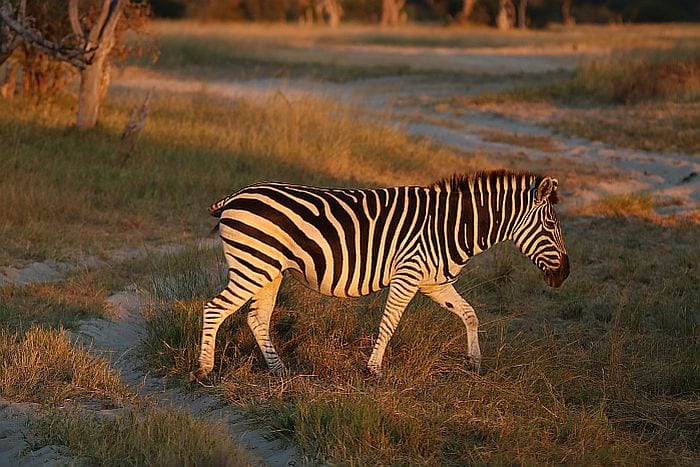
x: 347, y: 242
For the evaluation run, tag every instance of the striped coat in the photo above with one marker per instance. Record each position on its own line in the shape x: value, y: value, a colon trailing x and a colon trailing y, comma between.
x: 352, y: 242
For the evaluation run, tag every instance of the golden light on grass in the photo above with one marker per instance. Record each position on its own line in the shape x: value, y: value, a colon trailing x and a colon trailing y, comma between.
x: 43, y: 365
x: 147, y: 436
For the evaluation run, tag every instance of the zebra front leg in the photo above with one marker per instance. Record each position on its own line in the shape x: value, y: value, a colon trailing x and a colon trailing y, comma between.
x: 259, y: 322
x: 215, y: 312
x: 400, y: 294
x: 449, y: 298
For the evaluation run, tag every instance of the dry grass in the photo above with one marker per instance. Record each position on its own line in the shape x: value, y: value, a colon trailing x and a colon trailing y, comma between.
x: 639, y: 205
x: 635, y: 77
x: 51, y: 304
x: 658, y: 126
x: 541, y: 143
x: 192, y: 151
x: 145, y: 437
x: 560, y: 367
x: 642, y: 100
x: 43, y: 365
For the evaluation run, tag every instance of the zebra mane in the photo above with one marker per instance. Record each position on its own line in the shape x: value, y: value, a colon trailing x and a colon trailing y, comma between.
x: 462, y: 181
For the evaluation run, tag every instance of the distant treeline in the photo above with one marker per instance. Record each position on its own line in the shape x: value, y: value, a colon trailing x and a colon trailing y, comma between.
x: 539, y: 13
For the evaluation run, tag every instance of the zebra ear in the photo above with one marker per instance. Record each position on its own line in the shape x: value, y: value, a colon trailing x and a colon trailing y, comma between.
x: 547, y: 190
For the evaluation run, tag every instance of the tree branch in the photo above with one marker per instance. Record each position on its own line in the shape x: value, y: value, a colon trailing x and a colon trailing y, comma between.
x: 75, y: 20
x: 9, y: 41
x: 76, y: 56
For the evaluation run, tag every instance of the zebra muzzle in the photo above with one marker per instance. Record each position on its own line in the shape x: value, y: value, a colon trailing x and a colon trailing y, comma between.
x: 554, y: 278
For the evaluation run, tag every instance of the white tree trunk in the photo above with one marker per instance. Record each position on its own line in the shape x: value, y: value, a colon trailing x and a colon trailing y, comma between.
x: 467, y: 9
x: 504, y: 20
x: 392, y: 12
x: 334, y: 11
x: 522, y: 10
x: 94, y: 78
x: 567, y: 18
x: 89, y: 95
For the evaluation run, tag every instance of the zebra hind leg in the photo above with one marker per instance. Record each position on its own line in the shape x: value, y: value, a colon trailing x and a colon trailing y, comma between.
x: 259, y: 322
x: 215, y: 312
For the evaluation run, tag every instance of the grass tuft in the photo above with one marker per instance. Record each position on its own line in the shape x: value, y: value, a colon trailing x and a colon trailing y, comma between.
x: 44, y: 366
x: 630, y: 78
x: 639, y: 205
x: 149, y: 437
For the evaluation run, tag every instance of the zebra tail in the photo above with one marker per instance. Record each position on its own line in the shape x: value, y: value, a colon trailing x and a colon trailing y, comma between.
x: 214, y: 229
x: 215, y: 210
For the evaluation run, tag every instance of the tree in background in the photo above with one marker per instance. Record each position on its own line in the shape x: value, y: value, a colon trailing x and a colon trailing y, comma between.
x: 493, y: 12
x: 55, y: 42
x: 331, y: 10
x: 393, y: 13
x: 506, y: 15
x: 522, y: 14
x: 467, y: 9
x: 566, y: 16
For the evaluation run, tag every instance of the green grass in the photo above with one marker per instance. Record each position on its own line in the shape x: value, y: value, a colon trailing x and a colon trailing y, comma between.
x: 145, y: 437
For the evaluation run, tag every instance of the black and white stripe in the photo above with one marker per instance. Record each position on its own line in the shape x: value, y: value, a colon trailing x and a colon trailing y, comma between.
x: 352, y: 242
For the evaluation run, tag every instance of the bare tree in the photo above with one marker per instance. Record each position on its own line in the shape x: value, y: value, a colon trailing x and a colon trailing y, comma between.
x: 392, y: 12
x: 94, y: 78
x: 330, y: 9
x: 506, y: 15
x: 522, y: 18
x: 567, y: 17
x: 14, y: 30
x: 9, y: 39
x: 467, y: 9
x: 87, y: 51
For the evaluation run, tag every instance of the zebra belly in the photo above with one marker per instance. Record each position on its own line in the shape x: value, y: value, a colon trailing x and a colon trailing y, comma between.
x: 325, y: 289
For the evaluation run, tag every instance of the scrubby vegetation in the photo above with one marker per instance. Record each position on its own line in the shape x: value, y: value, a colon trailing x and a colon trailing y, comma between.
x: 43, y: 365
x: 149, y: 437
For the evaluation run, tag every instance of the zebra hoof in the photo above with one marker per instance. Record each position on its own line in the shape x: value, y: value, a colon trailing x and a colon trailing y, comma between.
x: 279, y: 371
x: 376, y: 373
x: 475, y: 365
x: 197, y: 376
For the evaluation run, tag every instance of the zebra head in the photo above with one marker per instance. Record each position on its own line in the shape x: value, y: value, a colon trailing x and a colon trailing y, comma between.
x: 538, y: 236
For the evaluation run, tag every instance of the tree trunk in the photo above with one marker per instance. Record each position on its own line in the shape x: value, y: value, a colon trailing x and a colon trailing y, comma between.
x: 503, y: 19
x: 94, y: 78
x: 9, y: 85
x: 522, y: 9
x: 91, y: 79
x: 392, y: 12
x: 334, y: 11
x: 567, y: 18
x: 467, y: 9
x: 506, y: 15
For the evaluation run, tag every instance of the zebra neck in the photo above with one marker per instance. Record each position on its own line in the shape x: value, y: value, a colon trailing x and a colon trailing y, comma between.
x: 490, y: 216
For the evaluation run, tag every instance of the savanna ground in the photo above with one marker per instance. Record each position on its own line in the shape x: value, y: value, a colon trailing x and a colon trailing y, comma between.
x: 603, y: 371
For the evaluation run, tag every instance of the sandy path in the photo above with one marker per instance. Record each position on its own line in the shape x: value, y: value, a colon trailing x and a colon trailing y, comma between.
x: 118, y: 339
x: 670, y: 177
x: 17, y: 443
